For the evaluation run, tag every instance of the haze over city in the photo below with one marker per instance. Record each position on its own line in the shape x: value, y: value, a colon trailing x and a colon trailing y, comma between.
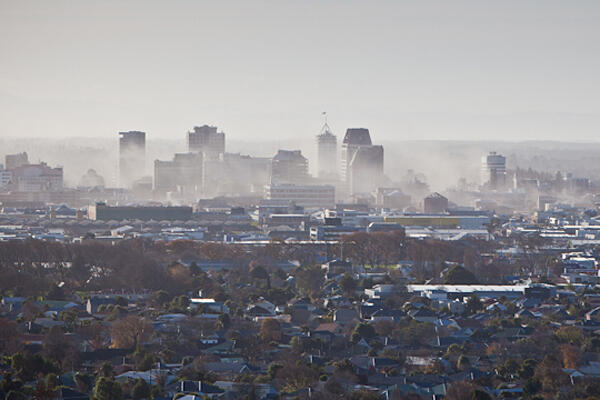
x: 510, y: 70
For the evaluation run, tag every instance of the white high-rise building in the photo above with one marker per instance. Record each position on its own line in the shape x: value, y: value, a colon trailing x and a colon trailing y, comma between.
x: 327, y: 153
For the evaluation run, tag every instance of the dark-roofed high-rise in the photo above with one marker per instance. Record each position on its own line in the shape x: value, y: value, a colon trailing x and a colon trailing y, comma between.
x: 357, y: 137
x: 132, y: 157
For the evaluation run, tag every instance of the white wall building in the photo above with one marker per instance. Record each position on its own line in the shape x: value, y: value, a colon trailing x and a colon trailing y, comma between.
x: 38, y: 178
x: 302, y: 195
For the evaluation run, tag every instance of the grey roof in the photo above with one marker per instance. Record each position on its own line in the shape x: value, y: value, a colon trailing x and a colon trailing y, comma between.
x: 358, y: 136
x: 289, y: 155
x: 435, y: 195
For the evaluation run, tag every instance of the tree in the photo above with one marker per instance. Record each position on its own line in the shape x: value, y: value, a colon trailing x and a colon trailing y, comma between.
x: 364, y: 395
x: 223, y: 322
x: 141, y: 390
x: 56, y: 293
x: 479, y: 394
x: 195, y: 269
x: 348, y: 284
x: 508, y: 368
x: 160, y: 297
x: 52, y: 381
x: 269, y: 330
x: 459, y: 391
x: 15, y: 395
x: 570, y: 334
x: 28, y: 365
x: 83, y: 382
x: 309, y: 280
x: 363, y: 331
x: 384, y: 327
x: 334, y: 388
x: 106, y: 370
x: 473, y: 305
x: 571, y: 356
x: 58, y: 346
x: 145, y: 362
x: 295, y: 376
x: 10, y: 339
x: 107, y: 389
x: 272, y: 370
x: 8, y: 384
x: 532, y: 386
x: 463, y: 363
x: 458, y: 275
x: 130, y: 331
x: 549, y: 372
x: 179, y: 304
x: 258, y: 271
x: 527, y: 369
x: 121, y: 301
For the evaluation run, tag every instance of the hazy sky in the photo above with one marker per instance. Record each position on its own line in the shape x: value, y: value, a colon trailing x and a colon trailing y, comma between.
x: 267, y: 69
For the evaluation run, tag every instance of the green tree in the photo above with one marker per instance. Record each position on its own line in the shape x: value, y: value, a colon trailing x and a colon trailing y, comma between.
x: 160, y: 297
x: 463, y: 363
x: 195, y: 269
x: 121, y: 301
x: 224, y: 322
x: 141, y: 390
x: 258, y: 271
x: 363, y: 331
x: 309, y: 280
x: 8, y: 384
x: 532, y: 386
x: 106, y: 370
x: 52, y: 381
x: 527, y: 369
x: 56, y: 293
x: 272, y: 370
x: 348, y: 284
x: 15, y: 395
x: 473, y: 305
x: 107, y: 389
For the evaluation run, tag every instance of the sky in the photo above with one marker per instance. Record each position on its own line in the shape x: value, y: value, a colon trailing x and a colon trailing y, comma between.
x: 266, y: 70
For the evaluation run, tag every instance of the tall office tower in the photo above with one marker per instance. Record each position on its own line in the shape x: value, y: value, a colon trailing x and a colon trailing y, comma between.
x: 289, y: 166
x: 16, y: 160
x: 132, y: 157
x: 365, y: 169
x: 327, y: 153
x: 206, y: 140
x: 183, y: 174
x: 353, y: 140
x: 493, y: 171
